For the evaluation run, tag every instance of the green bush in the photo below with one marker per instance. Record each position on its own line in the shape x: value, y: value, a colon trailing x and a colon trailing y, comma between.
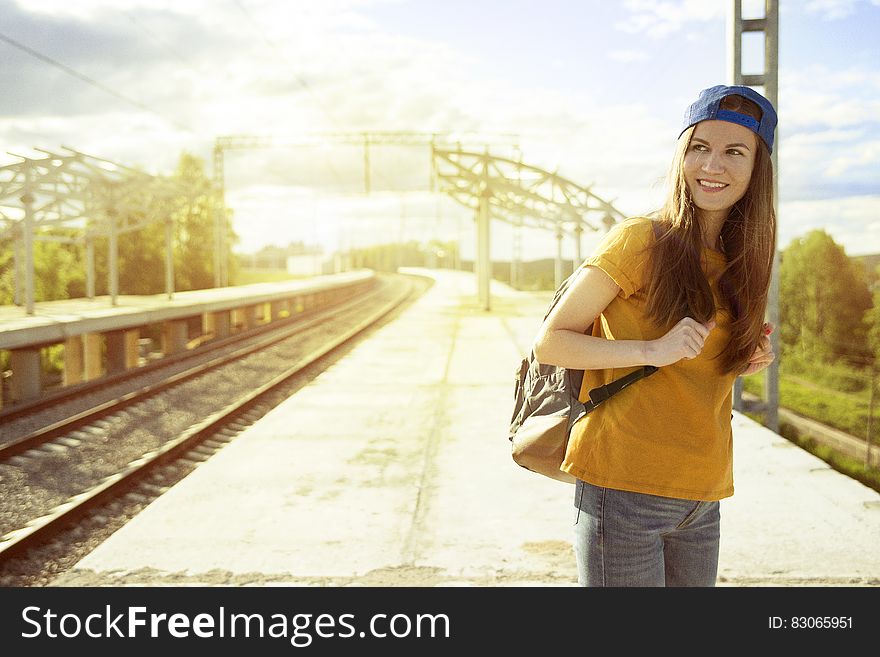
x: 851, y: 467
x: 839, y: 377
x: 841, y: 410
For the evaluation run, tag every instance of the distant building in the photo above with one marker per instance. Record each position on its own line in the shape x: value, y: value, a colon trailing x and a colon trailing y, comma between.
x: 309, y: 263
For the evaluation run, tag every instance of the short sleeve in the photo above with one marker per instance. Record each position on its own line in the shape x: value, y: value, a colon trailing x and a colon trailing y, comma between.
x: 623, y: 254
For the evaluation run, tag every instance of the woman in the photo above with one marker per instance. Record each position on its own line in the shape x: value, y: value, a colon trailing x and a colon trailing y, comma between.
x: 684, y: 290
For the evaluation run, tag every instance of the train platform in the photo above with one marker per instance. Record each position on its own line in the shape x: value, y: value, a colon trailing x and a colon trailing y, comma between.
x: 392, y: 468
x: 102, y: 335
x: 54, y: 321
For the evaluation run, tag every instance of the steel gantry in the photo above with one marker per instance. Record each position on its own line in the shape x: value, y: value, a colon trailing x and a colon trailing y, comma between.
x: 76, y: 198
x: 493, y: 186
x: 768, y: 27
x: 523, y: 196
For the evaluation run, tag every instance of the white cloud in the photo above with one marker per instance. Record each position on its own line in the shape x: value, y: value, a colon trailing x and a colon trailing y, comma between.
x: 835, y: 99
x: 627, y: 56
x: 828, y: 127
x: 853, y: 222
x: 330, y: 68
x: 661, y: 19
x: 831, y: 9
x: 861, y: 157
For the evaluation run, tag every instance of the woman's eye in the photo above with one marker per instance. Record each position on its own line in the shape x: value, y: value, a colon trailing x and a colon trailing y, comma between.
x: 733, y: 151
x: 699, y: 147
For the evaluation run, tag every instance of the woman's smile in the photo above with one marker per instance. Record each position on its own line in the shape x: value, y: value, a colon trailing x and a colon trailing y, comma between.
x: 711, y: 186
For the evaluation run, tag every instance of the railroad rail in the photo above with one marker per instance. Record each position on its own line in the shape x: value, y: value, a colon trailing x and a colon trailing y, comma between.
x: 276, y: 360
x: 840, y: 441
x: 162, y: 373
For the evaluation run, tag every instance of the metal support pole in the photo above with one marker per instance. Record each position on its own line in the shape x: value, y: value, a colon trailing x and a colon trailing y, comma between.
x: 367, y: 163
x: 738, y: 386
x: 734, y: 42
x: 483, y: 258
x: 218, y: 208
x: 478, y: 263
x: 224, y: 255
x: 432, y: 181
x: 27, y: 199
x: 18, y: 254
x: 90, y: 267
x: 113, y: 258
x: 558, y: 276
x: 215, y: 215
x: 459, y: 242
x: 516, y: 259
x: 769, y: 79
x: 516, y: 256
x: 578, y: 234
x: 771, y: 90
x: 169, y: 258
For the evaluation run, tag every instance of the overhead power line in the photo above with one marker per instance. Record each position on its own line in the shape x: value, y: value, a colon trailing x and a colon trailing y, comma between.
x: 271, y: 44
x: 299, y: 78
x: 92, y: 82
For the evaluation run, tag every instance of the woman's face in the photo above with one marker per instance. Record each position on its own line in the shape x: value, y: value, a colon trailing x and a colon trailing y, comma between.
x: 718, y: 165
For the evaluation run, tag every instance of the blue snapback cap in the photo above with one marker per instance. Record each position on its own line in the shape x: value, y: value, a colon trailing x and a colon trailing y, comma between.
x: 706, y: 108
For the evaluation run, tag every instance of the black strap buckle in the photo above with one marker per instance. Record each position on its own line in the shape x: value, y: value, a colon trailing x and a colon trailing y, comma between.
x: 600, y: 394
x: 603, y: 393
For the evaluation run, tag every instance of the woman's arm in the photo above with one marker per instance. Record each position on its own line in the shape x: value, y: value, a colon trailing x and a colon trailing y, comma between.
x: 561, y: 340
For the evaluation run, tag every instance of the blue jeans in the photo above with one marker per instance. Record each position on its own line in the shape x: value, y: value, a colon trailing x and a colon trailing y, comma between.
x: 633, y: 539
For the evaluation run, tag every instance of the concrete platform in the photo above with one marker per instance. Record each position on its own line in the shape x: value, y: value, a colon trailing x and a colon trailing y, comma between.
x: 55, y: 321
x: 393, y: 469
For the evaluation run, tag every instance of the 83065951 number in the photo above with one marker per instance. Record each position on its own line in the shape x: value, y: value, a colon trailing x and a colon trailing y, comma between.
x: 810, y: 622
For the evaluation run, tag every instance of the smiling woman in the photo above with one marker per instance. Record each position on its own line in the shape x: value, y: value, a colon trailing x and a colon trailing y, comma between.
x: 684, y: 291
x: 721, y: 198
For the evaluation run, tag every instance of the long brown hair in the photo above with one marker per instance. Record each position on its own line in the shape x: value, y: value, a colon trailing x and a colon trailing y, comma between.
x: 677, y: 286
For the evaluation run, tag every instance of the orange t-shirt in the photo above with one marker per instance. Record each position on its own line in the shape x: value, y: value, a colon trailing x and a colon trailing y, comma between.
x: 669, y: 434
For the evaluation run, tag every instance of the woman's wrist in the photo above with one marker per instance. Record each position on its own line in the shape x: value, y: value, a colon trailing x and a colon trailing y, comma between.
x: 647, y: 354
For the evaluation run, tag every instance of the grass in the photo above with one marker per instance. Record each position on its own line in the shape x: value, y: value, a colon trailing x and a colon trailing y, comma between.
x: 842, y: 410
x: 829, y: 407
x: 849, y: 466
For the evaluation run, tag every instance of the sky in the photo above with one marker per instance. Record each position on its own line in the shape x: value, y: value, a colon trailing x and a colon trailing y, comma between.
x: 591, y: 89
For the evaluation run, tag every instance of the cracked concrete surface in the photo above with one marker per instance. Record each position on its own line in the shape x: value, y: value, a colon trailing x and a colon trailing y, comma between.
x: 392, y: 468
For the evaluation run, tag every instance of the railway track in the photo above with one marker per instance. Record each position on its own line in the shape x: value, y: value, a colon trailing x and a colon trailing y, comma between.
x: 151, y: 380
x: 88, y: 467
x: 60, y: 404
x: 844, y: 443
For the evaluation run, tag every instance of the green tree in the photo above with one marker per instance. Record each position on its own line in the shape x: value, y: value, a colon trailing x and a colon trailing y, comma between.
x: 59, y: 268
x: 872, y: 319
x: 7, y: 272
x: 141, y: 255
x: 823, y: 300
x: 194, y: 228
x: 58, y: 272
x: 142, y: 260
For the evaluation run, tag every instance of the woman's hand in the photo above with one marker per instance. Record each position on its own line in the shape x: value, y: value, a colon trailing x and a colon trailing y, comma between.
x: 763, y: 355
x: 684, y: 341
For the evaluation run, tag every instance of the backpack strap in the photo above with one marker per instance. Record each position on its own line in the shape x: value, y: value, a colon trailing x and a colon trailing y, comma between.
x: 602, y: 393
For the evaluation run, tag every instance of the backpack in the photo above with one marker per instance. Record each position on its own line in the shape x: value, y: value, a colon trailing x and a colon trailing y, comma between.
x: 546, y: 406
